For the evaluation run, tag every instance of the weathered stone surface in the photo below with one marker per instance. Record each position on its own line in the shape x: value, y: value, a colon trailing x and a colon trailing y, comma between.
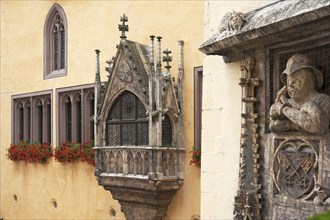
x: 271, y: 24
x: 283, y: 174
x: 140, y: 198
x: 302, y: 158
x: 298, y: 105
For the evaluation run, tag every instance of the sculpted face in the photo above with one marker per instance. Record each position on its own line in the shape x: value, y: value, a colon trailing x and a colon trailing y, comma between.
x: 299, y: 84
x: 237, y: 21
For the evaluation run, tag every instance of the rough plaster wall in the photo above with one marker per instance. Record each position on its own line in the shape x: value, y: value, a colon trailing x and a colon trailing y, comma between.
x: 91, y: 25
x: 221, y: 119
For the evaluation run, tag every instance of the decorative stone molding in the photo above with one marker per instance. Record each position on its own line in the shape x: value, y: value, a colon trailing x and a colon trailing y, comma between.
x: 271, y: 24
x: 248, y: 200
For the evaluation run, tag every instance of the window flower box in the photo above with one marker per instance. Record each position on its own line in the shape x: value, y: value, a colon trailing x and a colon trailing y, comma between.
x: 30, y: 152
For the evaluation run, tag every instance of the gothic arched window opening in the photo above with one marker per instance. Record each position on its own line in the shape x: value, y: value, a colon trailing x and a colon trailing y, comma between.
x: 127, y: 122
x: 167, y: 132
x: 55, y: 43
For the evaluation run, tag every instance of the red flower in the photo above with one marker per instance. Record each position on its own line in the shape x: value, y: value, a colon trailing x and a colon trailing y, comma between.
x: 71, y: 152
x: 195, y: 157
x: 33, y: 153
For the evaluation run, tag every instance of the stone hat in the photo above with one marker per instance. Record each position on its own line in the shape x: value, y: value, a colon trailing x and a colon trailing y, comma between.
x: 300, y: 61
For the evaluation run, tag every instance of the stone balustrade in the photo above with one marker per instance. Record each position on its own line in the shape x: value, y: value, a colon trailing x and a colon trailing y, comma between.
x: 154, y: 163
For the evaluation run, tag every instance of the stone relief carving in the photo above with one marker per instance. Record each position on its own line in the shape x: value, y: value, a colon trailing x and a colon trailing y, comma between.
x: 298, y: 105
x: 231, y: 23
x: 295, y: 167
x: 125, y: 73
x: 299, y: 121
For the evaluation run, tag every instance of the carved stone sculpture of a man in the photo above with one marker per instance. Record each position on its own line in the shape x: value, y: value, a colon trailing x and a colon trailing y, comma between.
x: 298, y: 106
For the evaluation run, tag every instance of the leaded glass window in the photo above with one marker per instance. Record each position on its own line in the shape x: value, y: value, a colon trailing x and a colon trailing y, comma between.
x: 127, y: 122
x: 167, y: 132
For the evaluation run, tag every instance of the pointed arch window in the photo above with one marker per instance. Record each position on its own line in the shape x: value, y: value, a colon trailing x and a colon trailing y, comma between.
x: 55, y: 43
x: 166, y: 132
x: 127, y: 122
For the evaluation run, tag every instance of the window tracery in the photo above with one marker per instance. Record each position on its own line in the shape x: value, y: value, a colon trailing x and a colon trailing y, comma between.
x: 55, y: 43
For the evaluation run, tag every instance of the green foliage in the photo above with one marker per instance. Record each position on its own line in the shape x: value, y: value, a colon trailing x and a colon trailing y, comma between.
x: 321, y: 216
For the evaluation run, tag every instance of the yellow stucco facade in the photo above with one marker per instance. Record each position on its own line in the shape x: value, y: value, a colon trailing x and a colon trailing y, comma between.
x: 91, y: 25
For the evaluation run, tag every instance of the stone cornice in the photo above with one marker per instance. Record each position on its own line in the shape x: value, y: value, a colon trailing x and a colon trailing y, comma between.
x: 271, y: 24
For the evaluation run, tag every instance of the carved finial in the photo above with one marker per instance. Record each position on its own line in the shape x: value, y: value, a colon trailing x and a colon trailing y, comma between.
x: 123, y: 27
x: 167, y: 58
x: 97, y: 72
x: 180, y: 58
x: 152, y: 37
x: 159, y: 64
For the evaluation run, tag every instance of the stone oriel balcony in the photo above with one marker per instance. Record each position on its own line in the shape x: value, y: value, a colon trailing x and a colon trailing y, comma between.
x: 142, y: 179
x: 161, y: 163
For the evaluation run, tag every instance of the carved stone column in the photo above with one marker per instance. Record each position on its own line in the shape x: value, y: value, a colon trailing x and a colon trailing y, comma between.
x: 247, y: 202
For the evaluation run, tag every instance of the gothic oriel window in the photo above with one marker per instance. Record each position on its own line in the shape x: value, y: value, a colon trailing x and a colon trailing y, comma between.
x: 32, y: 117
x: 127, y: 122
x: 55, y: 43
x: 76, y: 107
